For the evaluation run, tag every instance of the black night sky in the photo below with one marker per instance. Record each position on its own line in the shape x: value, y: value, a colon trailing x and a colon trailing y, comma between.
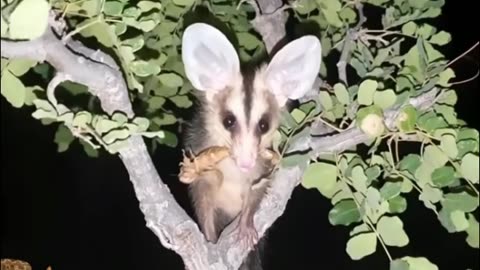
x: 74, y: 212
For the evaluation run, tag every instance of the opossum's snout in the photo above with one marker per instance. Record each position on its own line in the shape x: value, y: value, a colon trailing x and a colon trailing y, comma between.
x: 245, y: 151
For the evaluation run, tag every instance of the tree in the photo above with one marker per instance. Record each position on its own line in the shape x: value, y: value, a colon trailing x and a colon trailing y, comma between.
x: 393, y: 86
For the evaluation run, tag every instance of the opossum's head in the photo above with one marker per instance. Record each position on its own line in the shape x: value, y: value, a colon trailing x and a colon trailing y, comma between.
x: 243, y: 107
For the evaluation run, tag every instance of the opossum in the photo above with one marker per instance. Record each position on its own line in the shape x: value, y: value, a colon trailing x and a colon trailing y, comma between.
x: 239, y: 108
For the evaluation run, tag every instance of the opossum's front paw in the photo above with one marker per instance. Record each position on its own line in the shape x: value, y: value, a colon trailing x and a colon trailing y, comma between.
x: 188, y: 171
x: 188, y: 174
x: 247, y: 235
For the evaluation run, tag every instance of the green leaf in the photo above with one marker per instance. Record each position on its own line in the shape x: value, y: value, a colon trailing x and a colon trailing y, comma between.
x: 473, y: 232
x: 114, y: 135
x: 148, y: 5
x: 12, y: 89
x: 322, y: 176
x: 183, y: 3
x: 330, y: 9
x: 443, y: 176
x: 409, y: 28
x: 146, y: 26
x: 305, y: 6
x: 143, y: 68
x: 63, y: 138
x: 142, y: 123
x: 113, y: 8
x: 104, y: 125
x: 446, y: 220
x: 120, y: 117
x: 170, y: 139
x: 89, y: 150
x: 466, y: 146
x: 384, y: 99
x: 44, y: 105
x: 397, y: 205
x: 469, y: 167
x: 18, y: 67
x: 441, y: 38
x: 135, y: 43
x: 391, y: 190
x: 434, y: 156
x: 359, y: 179
x: 430, y: 195
x: 164, y: 119
x: 30, y: 95
x: 325, y: 100
x: 348, y: 15
x: 449, y: 97
x: 341, y: 93
x: 171, y: 80
x: 102, y: 31
x: 344, y: 213
x: 181, y: 101
x: 91, y: 8
x: 430, y: 122
x: 392, y: 232
x: 372, y: 173
x: 425, y: 31
x: 448, y: 144
x: 432, y: 54
x: 414, y: 63
x: 298, y: 115
x: 152, y: 134
x: 460, y: 201
x: 445, y: 77
x: 410, y: 163
x: 29, y: 20
x: 248, y: 40
x: 361, y: 245
x: 373, y: 198
x: 407, y: 119
x: 399, y: 265
x: 448, y: 113
x: 419, y: 263
x: 459, y: 220
x: 423, y: 175
x: 468, y: 133
x: 366, y: 92
x: 81, y: 119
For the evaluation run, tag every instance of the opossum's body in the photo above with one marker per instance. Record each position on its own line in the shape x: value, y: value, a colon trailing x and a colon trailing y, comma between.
x: 240, y: 110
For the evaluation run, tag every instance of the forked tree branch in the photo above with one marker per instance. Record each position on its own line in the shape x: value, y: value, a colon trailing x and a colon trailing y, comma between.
x: 175, y: 229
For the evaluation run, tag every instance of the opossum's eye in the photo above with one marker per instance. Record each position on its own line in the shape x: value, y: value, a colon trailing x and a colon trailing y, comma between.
x: 263, y: 125
x: 229, y: 121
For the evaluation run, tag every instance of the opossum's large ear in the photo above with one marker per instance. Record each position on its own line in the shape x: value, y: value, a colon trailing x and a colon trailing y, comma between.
x: 211, y: 62
x: 294, y: 68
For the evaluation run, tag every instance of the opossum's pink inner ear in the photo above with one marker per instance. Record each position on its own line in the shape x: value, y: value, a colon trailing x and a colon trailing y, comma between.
x: 211, y: 62
x: 294, y: 68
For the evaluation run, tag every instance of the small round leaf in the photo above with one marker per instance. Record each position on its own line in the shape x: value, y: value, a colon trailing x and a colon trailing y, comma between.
x: 361, y: 245
x: 322, y: 176
x: 392, y: 232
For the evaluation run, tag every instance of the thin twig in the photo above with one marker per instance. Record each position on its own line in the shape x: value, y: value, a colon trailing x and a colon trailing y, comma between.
x: 462, y: 55
x: 467, y: 80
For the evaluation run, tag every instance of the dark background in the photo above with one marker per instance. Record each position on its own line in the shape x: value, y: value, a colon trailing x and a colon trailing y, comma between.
x: 74, y: 212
